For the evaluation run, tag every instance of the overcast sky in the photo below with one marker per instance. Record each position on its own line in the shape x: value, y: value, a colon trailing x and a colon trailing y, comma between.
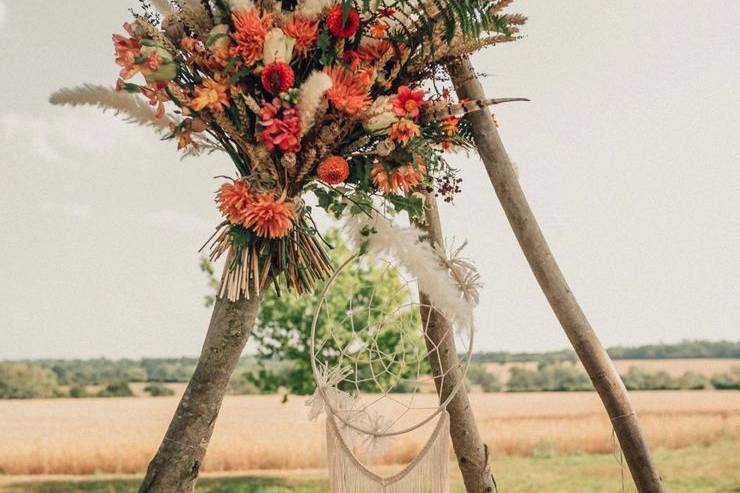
x: 629, y: 153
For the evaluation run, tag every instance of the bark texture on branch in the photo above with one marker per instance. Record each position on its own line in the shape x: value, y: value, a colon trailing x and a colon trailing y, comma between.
x: 598, y: 365
x: 471, y: 452
x: 175, y: 467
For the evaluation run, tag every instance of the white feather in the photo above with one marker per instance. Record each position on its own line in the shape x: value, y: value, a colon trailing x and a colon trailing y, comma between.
x: 420, y: 258
x: 134, y: 109
x: 311, y: 94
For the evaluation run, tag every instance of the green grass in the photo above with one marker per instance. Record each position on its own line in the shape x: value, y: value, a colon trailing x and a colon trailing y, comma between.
x: 713, y: 469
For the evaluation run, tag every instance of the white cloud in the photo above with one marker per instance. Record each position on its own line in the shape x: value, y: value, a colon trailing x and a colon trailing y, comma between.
x: 65, y: 136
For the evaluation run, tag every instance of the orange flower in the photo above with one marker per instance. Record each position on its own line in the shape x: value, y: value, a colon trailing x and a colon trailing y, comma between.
x: 333, y: 170
x: 404, y: 178
x: 404, y: 130
x: 251, y: 30
x: 210, y: 95
x: 304, y: 31
x: 378, y: 30
x: 349, y: 92
x: 269, y: 217
x: 234, y: 200
x: 373, y: 50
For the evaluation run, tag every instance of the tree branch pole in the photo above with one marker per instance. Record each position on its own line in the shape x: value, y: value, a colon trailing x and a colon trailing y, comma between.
x: 596, y: 361
x: 175, y: 467
x: 471, y: 452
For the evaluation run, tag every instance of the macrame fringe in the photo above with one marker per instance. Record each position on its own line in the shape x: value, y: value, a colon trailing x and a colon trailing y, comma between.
x: 427, y: 473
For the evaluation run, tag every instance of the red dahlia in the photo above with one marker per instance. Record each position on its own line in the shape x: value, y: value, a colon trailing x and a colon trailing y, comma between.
x: 277, y: 77
x: 340, y: 29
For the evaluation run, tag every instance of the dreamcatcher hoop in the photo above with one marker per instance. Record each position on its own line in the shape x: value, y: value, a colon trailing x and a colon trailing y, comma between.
x: 340, y: 414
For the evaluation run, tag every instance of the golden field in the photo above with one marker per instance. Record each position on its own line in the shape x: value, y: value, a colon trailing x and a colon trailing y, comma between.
x: 119, y: 435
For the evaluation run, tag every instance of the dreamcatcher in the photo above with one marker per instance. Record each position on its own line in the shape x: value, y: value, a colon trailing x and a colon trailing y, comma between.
x: 373, y: 347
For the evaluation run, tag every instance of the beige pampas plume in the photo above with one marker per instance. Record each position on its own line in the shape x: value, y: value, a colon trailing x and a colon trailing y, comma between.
x: 134, y: 109
x: 164, y: 7
x: 237, y: 5
x: 314, y: 8
x: 311, y: 94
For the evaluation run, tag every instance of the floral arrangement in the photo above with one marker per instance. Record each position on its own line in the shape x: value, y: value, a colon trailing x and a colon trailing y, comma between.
x: 336, y: 98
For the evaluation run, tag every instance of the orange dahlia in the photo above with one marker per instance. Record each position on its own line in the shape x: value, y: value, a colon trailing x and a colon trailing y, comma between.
x: 349, y: 92
x: 404, y: 130
x: 304, y: 31
x: 404, y: 178
x: 251, y: 30
x: 234, y: 200
x: 269, y: 217
x: 333, y: 170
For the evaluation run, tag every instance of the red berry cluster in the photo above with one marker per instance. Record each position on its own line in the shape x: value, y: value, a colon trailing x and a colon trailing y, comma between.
x: 447, y: 187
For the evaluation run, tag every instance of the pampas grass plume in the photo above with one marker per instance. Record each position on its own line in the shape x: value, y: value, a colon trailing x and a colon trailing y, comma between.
x: 311, y: 93
x: 134, y: 109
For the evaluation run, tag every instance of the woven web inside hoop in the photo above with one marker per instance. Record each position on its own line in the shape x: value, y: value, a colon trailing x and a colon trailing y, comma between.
x: 371, y: 349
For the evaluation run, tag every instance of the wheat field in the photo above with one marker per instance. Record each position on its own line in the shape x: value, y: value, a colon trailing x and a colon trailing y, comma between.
x: 84, y: 436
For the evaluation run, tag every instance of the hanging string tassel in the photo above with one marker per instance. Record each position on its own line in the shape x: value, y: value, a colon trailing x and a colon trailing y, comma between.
x: 427, y: 473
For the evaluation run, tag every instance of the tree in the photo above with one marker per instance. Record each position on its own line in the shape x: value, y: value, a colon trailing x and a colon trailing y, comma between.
x: 116, y: 389
x: 158, y: 389
x: 282, y: 329
x: 478, y: 375
x: 27, y: 381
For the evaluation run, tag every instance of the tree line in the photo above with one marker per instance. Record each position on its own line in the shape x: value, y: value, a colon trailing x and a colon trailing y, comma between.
x: 683, y: 349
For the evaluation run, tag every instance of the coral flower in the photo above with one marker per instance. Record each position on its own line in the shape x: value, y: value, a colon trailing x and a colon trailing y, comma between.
x: 281, y: 126
x: 349, y: 92
x: 269, y: 217
x: 407, y: 102
x: 404, y: 130
x: 251, y: 30
x: 304, y: 31
x: 211, y: 95
x: 277, y: 77
x: 340, y: 27
x: 404, y: 178
x: 333, y: 170
x: 126, y: 50
x: 234, y: 200
x: 379, y: 30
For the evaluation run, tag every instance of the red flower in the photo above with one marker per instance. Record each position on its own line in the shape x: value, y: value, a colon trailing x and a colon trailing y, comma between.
x: 407, y: 102
x: 352, y: 59
x: 281, y: 126
x: 341, y: 29
x: 333, y: 170
x: 277, y: 77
